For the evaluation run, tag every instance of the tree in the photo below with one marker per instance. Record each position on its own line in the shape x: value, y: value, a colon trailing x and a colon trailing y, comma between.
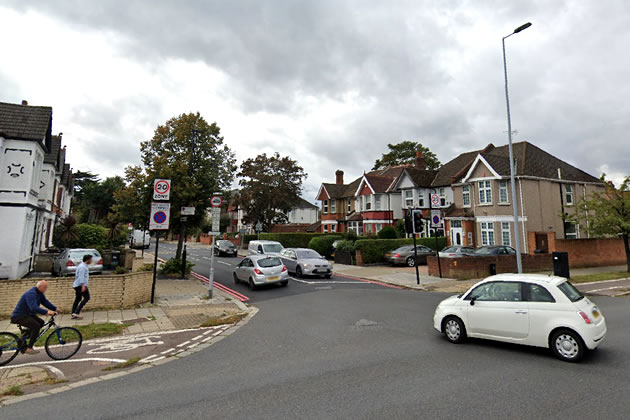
x: 404, y: 153
x: 133, y: 202
x: 607, y: 213
x: 270, y: 187
x: 191, y: 153
x: 94, y: 198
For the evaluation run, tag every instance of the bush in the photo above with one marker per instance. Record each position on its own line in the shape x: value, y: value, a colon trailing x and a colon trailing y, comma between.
x: 345, y: 246
x: 350, y: 236
x: 401, y: 232
x: 90, y: 236
x: 174, y: 266
x: 288, y: 240
x: 121, y: 270
x: 388, y: 232
x: 373, y: 251
x: 146, y: 267
x: 323, y: 244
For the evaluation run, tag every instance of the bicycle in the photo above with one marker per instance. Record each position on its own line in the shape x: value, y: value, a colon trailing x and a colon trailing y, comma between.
x: 61, y: 344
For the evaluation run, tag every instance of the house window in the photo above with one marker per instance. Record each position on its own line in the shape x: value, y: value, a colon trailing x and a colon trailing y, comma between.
x: 466, y: 195
x: 325, y: 228
x: 333, y: 228
x: 333, y: 206
x: 456, y: 223
x: 420, y: 198
x: 368, y: 203
x: 470, y: 239
x: 503, y: 192
x: 408, y: 198
x: 378, y: 227
x: 572, y: 230
x: 325, y: 207
x: 361, y: 203
x: 442, y: 197
x: 349, y: 205
x: 487, y: 233
x: 568, y: 194
x: 485, y: 192
x: 377, y: 202
x: 506, y: 238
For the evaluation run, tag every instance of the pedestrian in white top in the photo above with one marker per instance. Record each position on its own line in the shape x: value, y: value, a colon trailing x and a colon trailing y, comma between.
x: 82, y: 293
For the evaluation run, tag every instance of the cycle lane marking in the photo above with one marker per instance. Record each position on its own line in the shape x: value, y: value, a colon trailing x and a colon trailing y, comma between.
x: 51, y: 362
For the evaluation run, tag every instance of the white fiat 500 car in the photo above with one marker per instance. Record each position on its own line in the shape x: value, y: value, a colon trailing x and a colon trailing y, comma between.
x: 530, y: 309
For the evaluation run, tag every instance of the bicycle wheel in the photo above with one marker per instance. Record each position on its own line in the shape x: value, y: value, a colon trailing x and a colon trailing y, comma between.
x: 63, y: 343
x: 9, y: 347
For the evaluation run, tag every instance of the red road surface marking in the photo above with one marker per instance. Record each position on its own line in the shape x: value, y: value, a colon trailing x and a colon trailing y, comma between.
x: 221, y: 287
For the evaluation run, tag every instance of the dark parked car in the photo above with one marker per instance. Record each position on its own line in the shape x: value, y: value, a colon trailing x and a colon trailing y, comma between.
x: 405, y: 255
x: 491, y: 250
x: 223, y: 247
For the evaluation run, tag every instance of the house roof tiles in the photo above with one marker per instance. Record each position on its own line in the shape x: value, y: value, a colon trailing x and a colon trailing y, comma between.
x: 25, y: 122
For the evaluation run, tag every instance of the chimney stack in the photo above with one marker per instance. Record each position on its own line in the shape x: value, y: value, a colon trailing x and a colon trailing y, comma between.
x: 339, y: 177
x: 420, y: 162
x: 24, y: 102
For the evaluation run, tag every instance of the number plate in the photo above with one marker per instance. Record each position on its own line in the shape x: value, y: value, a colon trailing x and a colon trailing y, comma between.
x: 274, y: 278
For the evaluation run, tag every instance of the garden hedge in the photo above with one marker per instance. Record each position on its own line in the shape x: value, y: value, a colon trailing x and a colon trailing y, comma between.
x: 323, y: 244
x: 288, y: 240
x: 373, y: 250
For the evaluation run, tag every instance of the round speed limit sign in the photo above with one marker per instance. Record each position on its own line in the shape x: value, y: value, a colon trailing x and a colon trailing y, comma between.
x: 161, y: 189
x: 435, y: 199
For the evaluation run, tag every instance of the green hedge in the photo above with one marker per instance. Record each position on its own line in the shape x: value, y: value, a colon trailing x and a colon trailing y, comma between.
x: 288, y: 240
x: 323, y: 244
x: 373, y: 250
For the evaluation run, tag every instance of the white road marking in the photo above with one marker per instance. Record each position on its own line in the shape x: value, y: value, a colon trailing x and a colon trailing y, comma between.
x: 151, y: 359
x: 224, y: 263
x: 168, y: 351
x: 205, y: 340
x: 196, y: 338
x: 124, y: 345
x: 192, y: 346
x: 206, y: 258
x: 59, y: 374
x: 326, y: 281
x: 602, y: 281
x: 605, y: 288
x: 48, y: 362
x: 183, y: 344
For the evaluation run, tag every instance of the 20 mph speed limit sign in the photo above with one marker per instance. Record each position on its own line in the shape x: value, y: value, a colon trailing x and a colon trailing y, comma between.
x: 162, y: 189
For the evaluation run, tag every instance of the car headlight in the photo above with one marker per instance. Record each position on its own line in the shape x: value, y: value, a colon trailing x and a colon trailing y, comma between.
x: 306, y: 265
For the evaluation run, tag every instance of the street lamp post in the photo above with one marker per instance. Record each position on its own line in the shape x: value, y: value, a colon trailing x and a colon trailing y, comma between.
x: 519, y: 262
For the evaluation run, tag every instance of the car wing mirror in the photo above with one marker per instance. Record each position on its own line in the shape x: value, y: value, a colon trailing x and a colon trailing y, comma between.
x: 472, y: 301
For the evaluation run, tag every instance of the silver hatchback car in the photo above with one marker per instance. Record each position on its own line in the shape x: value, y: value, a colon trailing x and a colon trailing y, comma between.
x: 67, y: 262
x: 258, y: 270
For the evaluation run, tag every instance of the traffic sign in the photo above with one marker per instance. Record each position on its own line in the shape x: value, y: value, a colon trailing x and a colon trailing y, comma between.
x: 160, y: 216
x: 436, y: 218
x: 187, y: 211
x: 258, y: 227
x: 162, y: 189
x: 216, y: 219
x: 216, y: 201
x: 435, y: 200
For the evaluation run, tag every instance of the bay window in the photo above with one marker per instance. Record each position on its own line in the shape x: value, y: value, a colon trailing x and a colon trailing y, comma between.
x: 485, y: 192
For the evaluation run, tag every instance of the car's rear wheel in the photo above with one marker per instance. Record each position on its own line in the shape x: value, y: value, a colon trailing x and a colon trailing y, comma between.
x: 251, y: 284
x: 411, y: 262
x: 328, y: 276
x: 235, y: 277
x: 567, y: 346
x: 284, y: 283
x: 454, y: 329
x: 298, y: 272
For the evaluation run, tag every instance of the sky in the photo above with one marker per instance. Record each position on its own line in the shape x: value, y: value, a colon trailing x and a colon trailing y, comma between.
x: 328, y: 82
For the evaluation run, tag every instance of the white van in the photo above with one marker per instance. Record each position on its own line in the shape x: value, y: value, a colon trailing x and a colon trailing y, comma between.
x: 135, y: 238
x: 264, y: 248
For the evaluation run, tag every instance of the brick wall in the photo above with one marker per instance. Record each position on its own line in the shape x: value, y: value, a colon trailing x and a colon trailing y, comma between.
x: 479, y: 267
x: 592, y: 252
x: 107, y: 292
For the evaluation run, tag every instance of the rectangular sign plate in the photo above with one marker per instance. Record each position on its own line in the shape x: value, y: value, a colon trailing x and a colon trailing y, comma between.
x: 160, y: 216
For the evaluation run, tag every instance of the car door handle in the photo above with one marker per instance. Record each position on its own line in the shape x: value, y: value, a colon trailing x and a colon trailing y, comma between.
x: 520, y: 312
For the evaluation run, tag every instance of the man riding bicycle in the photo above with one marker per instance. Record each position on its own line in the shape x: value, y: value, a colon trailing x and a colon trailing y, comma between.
x: 25, y: 313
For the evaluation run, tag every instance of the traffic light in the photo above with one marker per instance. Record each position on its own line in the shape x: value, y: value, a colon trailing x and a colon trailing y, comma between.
x: 418, y: 223
x: 408, y: 222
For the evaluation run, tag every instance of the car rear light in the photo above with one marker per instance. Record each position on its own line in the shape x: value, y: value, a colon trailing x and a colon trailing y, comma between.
x: 100, y: 262
x: 69, y: 263
x: 284, y: 268
x: 585, y: 317
x: 397, y: 256
x: 257, y: 271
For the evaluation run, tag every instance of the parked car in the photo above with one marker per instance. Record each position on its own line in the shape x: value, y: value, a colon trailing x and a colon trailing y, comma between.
x: 224, y: 247
x: 264, y: 248
x: 138, y: 238
x: 457, y: 251
x: 530, y: 309
x: 489, y: 250
x: 306, y: 262
x: 405, y: 255
x: 67, y: 262
x: 257, y: 270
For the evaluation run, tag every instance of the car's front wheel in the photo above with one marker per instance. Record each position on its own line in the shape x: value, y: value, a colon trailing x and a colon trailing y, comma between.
x: 235, y: 277
x: 567, y: 346
x: 298, y: 272
x: 454, y: 329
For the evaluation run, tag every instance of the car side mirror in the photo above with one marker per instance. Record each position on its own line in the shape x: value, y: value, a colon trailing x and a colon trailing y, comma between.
x: 472, y: 301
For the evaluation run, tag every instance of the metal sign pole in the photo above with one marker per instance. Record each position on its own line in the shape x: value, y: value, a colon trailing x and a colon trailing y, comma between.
x: 437, y: 242
x: 211, y: 274
x: 415, y: 259
x: 155, y: 261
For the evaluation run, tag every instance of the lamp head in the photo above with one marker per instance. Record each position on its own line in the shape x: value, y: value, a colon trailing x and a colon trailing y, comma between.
x: 522, y: 27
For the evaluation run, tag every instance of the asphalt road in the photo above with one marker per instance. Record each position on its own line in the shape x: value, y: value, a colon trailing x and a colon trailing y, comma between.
x: 358, y: 351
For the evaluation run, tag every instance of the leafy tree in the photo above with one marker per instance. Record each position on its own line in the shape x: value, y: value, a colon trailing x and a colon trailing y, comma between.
x: 404, y: 153
x: 270, y: 187
x: 133, y: 202
x: 65, y: 232
x: 401, y: 232
x: 94, y: 199
x: 607, y: 213
x: 388, y: 232
x: 191, y: 153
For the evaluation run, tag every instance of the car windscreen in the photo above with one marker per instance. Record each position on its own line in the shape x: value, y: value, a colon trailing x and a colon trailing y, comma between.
x: 273, y: 248
x: 570, y: 291
x: 225, y: 243
x: 307, y: 254
x: 269, y: 262
x: 450, y: 249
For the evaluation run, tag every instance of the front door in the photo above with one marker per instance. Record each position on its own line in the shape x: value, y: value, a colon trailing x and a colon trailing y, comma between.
x: 541, y: 242
x: 457, y: 236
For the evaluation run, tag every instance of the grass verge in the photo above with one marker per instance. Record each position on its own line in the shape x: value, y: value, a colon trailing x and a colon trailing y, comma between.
x: 230, y: 319
x: 586, y: 278
x: 13, y: 390
x: 123, y: 365
x: 91, y: 331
